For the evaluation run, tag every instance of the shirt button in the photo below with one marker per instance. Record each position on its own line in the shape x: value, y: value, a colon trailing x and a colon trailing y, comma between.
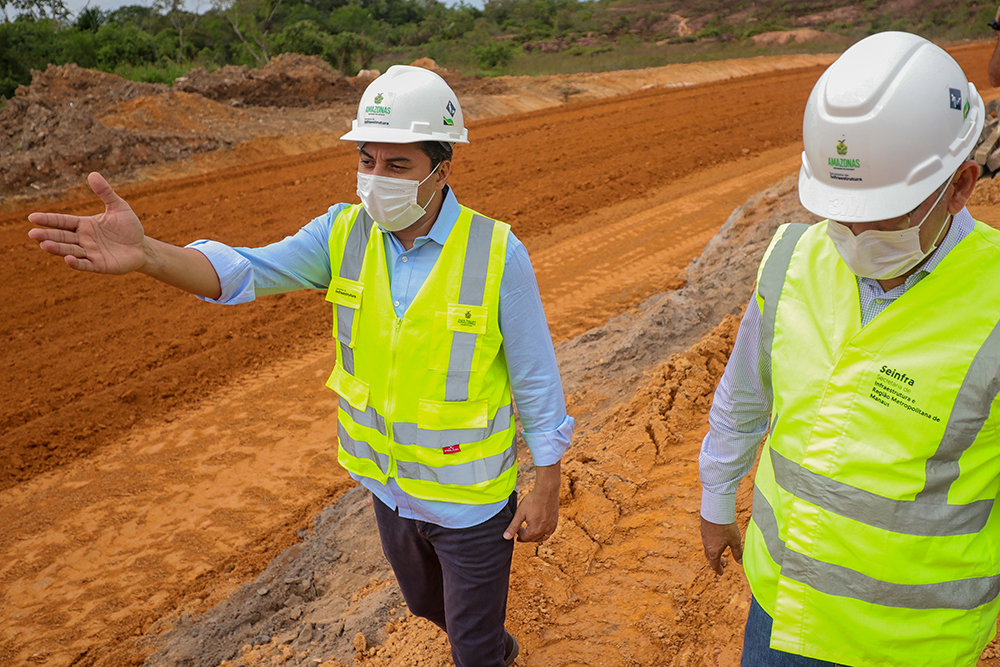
x: 405, y: 258
x: 879, y: 300
x: 395, y: 303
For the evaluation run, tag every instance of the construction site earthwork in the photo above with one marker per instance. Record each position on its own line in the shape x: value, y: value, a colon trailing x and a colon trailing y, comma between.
x: 169, y: 486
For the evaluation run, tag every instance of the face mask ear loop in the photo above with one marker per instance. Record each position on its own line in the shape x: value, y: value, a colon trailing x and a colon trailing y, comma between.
x: 424, y: 181
x: 909, y: 222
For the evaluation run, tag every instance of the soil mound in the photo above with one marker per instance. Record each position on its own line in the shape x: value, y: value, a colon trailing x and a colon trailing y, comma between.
x: 71, y: 121
x: 50, y: 129
x: 288, y: 80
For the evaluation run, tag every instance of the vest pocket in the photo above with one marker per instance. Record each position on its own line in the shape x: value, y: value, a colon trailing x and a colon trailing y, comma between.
x: 447, y: 415
x: 349, y: 388
x: 345, y: 295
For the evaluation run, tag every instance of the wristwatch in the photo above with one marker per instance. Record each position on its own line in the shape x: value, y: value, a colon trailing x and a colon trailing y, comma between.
x: 995, y: 25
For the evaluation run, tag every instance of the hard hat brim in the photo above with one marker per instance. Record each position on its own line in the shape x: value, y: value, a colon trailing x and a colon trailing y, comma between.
x: 389, y: 135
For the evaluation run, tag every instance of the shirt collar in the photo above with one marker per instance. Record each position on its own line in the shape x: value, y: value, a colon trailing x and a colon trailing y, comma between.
x: 447, y: 217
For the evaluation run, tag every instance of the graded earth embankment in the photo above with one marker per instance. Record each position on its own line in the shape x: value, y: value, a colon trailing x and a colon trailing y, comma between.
x: 159, y: 452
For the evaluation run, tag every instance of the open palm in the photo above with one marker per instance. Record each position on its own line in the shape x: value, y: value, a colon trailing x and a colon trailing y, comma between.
x: 110, y: 242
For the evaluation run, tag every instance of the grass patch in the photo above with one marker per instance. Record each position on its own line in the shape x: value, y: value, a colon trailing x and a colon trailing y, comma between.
x: 155, y: 73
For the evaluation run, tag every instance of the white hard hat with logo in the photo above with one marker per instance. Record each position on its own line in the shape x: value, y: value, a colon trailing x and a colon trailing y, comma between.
x: 407, y: 105
x: 885, y: 126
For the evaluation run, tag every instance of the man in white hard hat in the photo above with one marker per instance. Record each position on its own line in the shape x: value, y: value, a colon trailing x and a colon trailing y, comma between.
x: 437, y: 320
x: 870, y: 358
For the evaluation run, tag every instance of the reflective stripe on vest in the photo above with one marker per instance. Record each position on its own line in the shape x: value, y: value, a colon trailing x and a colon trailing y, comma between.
x: 838, y: 580
x: 350, y: 269
x: 463, y: 344
x: 466, y: 474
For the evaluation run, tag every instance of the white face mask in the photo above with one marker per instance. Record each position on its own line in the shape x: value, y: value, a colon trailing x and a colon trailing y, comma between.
x: 392, y: 202
x: 880, y: 254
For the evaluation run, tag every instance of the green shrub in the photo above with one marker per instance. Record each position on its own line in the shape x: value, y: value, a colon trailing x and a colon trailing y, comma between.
x: 124, y: 44
x: 494, y: 55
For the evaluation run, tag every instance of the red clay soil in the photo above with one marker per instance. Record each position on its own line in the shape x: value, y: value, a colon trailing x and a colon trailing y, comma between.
x: 87, y: 357
x: 89, y: 362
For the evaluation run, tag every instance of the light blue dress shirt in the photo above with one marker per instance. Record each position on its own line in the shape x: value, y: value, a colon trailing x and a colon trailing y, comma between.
x: 302, y: 261
x: 741, y: 408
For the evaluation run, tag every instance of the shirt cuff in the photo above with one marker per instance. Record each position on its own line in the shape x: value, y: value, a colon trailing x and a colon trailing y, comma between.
x: 234, y: 270
x: 547, y: 447
x: 718, y: 507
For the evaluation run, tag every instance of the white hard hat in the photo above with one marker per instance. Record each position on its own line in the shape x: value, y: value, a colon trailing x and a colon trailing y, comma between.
x: 885, y: 126
x: 406, y: 105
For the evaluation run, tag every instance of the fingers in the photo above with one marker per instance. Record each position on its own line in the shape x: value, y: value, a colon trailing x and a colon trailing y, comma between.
x: 527, y: 534
x: 58, y: 236
x: 716, y: 561
x: 514, y: 527
x: 103, y: 190
x: 716, y: 538
x: 736, y: 549
x: 54, y: 220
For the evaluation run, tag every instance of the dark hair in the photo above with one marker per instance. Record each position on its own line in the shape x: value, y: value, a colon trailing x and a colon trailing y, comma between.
x: 437, y: 151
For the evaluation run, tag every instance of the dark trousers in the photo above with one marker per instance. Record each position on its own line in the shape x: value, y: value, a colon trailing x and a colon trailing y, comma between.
x: 456, y: 578
x: 757, y: 651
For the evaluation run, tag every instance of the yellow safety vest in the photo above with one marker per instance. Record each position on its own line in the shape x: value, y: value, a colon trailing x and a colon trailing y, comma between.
x: 875, y: 539
x: 425, y: 398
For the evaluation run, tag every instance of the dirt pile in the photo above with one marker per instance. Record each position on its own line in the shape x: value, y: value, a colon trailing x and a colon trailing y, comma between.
x: 71, y: 121
x: 987, y: 152
x: 50, y: 129
x: 288, y: 80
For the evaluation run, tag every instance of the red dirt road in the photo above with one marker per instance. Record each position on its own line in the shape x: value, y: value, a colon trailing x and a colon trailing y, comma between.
x: 158, y: 451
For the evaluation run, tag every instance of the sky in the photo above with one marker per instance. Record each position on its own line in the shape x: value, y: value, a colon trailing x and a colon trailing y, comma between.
x: 76, y: 5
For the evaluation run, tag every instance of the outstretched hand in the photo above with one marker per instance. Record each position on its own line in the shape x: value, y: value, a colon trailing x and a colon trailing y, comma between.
x: 716, y: 538
x: 109, y: 242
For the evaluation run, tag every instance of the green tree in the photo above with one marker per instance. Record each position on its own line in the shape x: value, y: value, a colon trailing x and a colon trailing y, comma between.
x: 25, y: 45
x: 344, y: 47
x: 251, y: 20
x: 305, y: 37
x: 90, y: 19
x: 124, y: 44
x: 36, y: 10
x: 182, y: 21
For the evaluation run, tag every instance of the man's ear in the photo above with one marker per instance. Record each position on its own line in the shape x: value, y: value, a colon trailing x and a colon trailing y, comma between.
x: 964, y: 183
x: 442, y: 174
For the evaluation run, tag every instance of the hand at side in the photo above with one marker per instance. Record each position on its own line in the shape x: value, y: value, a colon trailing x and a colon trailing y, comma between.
x: 716, y: 538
